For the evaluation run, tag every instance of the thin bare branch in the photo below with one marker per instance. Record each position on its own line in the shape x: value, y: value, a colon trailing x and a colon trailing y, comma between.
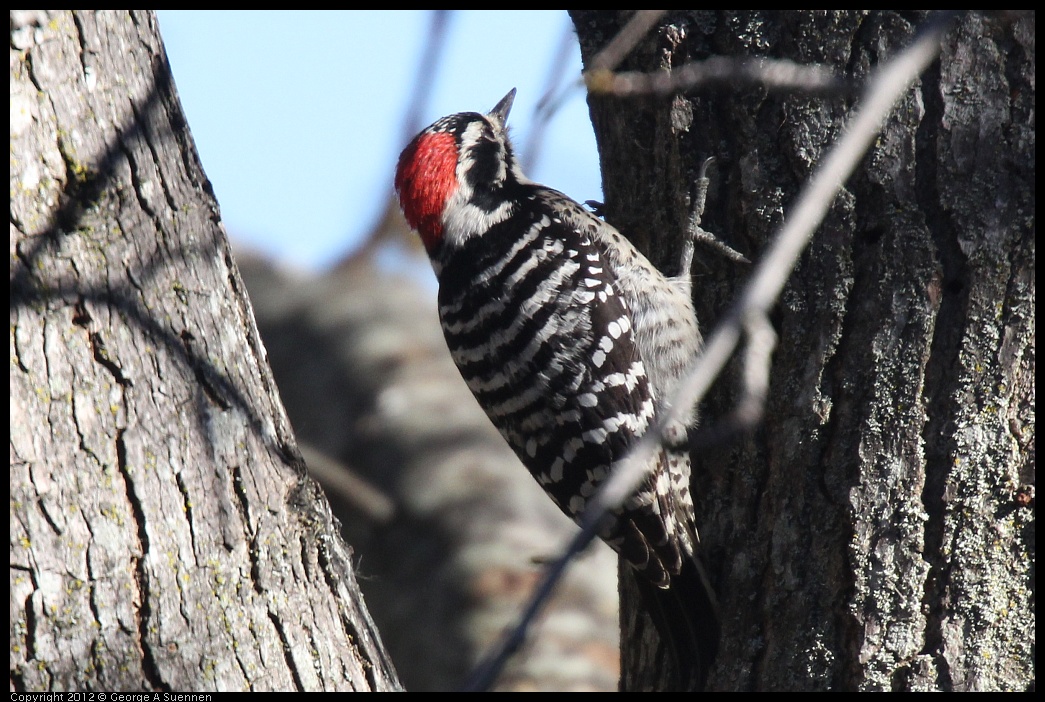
x: 541, y: 114
x: 339, y: 479
x: 605, y: 61
x: 626, y: 39
x: 427, y: 69
x: 696, y: 232
x: 733, y: 72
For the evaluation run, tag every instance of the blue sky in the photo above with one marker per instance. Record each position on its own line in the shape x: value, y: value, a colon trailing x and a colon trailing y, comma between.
x: 298, y: 116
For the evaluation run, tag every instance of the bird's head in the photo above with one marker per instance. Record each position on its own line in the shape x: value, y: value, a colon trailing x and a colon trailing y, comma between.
x: 453, y: 178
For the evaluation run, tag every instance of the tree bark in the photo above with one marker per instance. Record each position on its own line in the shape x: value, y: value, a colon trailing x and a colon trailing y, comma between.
x: 875, y: 531
x: 164, y: 534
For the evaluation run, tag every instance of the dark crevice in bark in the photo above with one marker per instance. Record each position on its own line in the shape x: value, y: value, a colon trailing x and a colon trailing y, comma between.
x: 940, y: 403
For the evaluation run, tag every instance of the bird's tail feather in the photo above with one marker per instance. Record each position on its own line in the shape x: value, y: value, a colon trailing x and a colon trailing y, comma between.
x: 669, y: 636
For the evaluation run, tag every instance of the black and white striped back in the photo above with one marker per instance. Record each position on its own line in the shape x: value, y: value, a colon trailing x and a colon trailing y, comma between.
x: 540, y: 334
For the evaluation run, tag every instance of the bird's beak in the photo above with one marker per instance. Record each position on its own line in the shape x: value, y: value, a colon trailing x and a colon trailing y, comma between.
x: 501, y: 109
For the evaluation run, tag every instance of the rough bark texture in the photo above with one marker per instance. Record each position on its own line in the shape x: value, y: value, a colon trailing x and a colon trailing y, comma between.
x: 874, y: 533
x: 164, y: 535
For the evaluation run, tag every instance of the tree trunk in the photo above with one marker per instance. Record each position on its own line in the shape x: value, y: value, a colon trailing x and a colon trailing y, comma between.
x: 164, y: 534
x: 874, y: 533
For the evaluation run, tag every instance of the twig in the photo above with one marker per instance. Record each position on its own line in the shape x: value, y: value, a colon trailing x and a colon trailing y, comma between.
x: 542, y: 114
x: 427, y: 69
x: 734, y: 72
x: 339, y: 479
x: 607, y: 59
x: 625, y: 40
x: 696, y: 232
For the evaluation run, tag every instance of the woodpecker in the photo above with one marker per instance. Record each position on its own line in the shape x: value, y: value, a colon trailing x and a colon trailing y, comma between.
x: 569, y: 338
